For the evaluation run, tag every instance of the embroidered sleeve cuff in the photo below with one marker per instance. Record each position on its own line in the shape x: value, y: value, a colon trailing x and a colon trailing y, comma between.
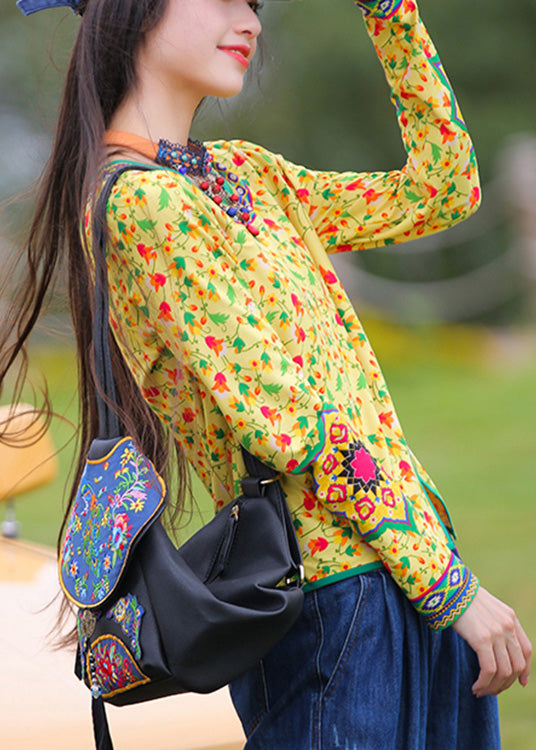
x: 449, y: 597
x: 379, y: 8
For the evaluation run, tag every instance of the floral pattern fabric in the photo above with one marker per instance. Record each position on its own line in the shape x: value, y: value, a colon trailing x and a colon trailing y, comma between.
x: 235, y: 339
x: 117, y: 497
x: 115, y: 669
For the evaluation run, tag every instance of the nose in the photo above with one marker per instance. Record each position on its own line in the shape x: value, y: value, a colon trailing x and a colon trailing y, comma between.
x: 248, y: 23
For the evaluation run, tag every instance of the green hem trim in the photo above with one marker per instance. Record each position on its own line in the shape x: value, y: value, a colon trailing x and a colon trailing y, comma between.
x: 341, y: 576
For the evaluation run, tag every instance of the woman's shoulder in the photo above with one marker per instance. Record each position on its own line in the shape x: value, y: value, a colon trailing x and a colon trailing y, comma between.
x: 143, y: 177
x: 242, y: 152
x: 139, y: 187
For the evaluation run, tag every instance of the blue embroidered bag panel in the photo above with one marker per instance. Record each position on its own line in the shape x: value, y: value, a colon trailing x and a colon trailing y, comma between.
x: 118, y: 498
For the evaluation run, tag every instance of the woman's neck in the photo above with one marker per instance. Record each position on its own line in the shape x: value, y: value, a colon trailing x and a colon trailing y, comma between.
x: 151, y: 112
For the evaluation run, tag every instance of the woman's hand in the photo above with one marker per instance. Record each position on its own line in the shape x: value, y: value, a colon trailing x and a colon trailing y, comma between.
x: 493, y: 631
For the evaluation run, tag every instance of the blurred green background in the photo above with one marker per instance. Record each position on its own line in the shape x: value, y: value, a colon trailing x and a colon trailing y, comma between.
x: 461, y: 364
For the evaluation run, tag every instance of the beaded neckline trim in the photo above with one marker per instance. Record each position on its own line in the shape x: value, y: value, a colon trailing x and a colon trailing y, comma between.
x: 214, y: 178
x: 192, y: 159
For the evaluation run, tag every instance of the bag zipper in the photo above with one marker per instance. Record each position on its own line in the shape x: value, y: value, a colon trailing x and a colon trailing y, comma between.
x: 228, y: 538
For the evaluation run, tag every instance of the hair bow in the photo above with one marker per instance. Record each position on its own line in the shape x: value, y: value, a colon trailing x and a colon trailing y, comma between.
x: 32, y: 6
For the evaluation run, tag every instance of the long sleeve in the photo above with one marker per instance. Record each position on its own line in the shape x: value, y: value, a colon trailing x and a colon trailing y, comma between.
x: 436, y: 188
x: 405, y: 532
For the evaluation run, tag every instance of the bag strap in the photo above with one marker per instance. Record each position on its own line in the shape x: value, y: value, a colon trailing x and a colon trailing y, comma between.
x: 262, y: 479
x: 109, y: 424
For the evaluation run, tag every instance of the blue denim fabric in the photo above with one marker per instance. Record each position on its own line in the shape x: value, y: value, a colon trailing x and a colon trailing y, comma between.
x: 360, y: 670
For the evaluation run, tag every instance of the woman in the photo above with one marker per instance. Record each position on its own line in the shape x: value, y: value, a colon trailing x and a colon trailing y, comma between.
x: 231, y: 323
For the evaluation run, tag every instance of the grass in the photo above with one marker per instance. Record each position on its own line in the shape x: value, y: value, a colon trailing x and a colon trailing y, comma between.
x: 468, y: 415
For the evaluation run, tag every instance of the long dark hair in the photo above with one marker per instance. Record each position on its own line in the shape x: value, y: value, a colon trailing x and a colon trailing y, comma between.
x: 100, y: 74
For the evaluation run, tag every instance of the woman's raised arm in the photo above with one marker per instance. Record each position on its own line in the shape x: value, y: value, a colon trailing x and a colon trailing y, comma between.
x: 436, y: 188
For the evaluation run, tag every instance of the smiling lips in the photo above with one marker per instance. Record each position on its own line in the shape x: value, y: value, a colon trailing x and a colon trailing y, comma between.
x: 239, y: 51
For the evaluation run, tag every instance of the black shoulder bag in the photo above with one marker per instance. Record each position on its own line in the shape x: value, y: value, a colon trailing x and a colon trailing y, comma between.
x: 153, y: 620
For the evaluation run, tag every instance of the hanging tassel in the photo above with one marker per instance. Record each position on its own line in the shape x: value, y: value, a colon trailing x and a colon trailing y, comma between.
x: 103, y: 741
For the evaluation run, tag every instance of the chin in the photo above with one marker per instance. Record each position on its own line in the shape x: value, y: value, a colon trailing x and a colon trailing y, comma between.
x: 226, y: 89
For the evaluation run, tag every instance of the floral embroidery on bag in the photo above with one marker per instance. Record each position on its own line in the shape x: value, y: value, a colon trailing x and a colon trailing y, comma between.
x: 127, y: 612
x: 115, y: 668
x: 117, y: 497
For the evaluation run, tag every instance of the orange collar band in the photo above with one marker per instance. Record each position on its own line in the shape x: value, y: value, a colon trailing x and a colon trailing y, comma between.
x: 138, y: 143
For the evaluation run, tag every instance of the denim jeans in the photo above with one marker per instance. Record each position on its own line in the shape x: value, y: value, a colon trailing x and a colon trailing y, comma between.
x: 361, y: 670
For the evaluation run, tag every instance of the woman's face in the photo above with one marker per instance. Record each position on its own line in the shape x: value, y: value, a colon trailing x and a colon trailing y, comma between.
x: 191, y: 50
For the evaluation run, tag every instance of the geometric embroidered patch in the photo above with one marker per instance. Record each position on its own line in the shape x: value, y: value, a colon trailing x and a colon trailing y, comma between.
x: 349, y: 481
x: 449, y: 596
x: 115, y: 668
x: 434, y: 601
x: 455, y: 577
x: 358, y: 468
x: 385, y: 508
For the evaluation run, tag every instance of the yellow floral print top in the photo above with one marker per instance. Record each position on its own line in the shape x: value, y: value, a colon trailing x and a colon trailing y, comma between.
x: 236, y: 339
